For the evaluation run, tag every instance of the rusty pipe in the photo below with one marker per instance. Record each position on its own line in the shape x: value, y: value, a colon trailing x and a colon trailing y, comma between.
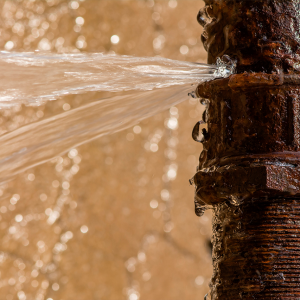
x: 249, y: 169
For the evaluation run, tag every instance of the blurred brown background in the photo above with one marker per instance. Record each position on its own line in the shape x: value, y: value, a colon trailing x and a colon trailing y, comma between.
x: 126, y: 227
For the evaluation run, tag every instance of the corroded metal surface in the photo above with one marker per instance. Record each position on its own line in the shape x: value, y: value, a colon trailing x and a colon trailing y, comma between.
x: 257, y: 250
x: 263, y: 35
x: 249, y: 169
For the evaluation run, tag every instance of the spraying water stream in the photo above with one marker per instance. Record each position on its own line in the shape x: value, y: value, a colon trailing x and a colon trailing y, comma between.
x: 152, y: 84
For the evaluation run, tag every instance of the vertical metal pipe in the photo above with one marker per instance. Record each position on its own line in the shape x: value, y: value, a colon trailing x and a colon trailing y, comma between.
x: 249, y: 169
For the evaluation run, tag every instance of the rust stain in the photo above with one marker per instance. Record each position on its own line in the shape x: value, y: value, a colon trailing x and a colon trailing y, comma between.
x: 249, y: 170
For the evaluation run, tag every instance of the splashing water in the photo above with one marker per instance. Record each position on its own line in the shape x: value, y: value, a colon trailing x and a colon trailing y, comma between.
x: 45, y: 77
x: 151, y: 85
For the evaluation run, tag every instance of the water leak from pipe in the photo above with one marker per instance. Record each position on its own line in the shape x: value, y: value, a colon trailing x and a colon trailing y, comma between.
x: 141, y: 88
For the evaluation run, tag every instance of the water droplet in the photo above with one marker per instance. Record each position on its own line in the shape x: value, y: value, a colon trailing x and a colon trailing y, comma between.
x: 158, y: 42
x: 79, y: 20
x: 73, y: 153
x: 45, y: 285
x: 39, y: 114
x: 172, y: 3
x: 141, y: 256
x: 84, y: 229
x: 55, y: 183
x: 74, y: 4
x: 202, y: 17
x: 192, y: 182
x: 55, y: 286
x: 130, y: 137
x: 205, y: 116
x: 65, y: 185
x: 184, y: 49
x: 133, y: 296
x: 12, y: 281
x: 172, y: 123
x: 81, y: 43
x: 44, y: 45
x: 31, y: 177
x: 66, y: 106
x: 34, y: 273
x: 199, y: 280
x: 115, y: 39
x: 156, y: 16
x: 196, y: 135
x: 165, y: 195
x: 146, y: 276
x: 43, y: 197
x: 207, y: 297
x: 18, y: 218
x: 153, y: 204
x: 204, y: 101
x: 168, y: 227
x: 174, y: 111
x: 199, y: 209
x: 3, y: 209
x: 234, y: 200
x: 39, y: 263
x: 35, y: 283
x: 192, y: 94
x: 21, y: 295
x: 154, y: 147
x: 137, y: 129
x: 9, y: 45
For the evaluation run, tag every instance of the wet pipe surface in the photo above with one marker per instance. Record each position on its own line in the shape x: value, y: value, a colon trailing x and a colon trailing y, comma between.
x: 249, y: 169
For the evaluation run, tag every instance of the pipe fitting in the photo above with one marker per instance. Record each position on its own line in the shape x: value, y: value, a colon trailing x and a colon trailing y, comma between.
x: 249, y: 169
